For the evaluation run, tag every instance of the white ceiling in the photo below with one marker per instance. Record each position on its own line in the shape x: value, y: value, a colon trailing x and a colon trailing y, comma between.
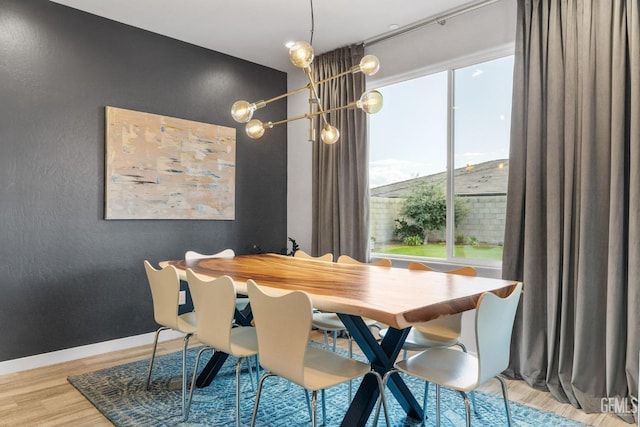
x: 256, y: 30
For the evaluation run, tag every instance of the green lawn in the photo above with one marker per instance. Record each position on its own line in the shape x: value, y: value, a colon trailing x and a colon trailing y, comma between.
x: 438, y: 250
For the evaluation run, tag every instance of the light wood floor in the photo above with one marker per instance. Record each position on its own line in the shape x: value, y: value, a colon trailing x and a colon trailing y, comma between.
x: 43, y: 397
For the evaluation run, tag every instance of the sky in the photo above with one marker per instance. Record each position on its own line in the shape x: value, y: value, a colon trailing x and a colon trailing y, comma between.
x: 408, y: 137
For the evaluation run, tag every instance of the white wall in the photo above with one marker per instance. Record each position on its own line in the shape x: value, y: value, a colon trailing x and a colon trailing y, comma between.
x: 487, y: 29
x: 298, y: 165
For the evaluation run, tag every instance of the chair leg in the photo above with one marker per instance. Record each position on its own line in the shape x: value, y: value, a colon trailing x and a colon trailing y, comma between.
x: 193, y: 382
x: 184, y: 374
x: 326, y: 339
x: 314, y: 402
x: 257, y: 368
x: 437, y: 405
x: 306, y: 393
x: 248, y: 360
x: 335, y: 338
x: 503, y: 384
x: 153, y: 354
x: 466, y: 407
x: 424, y: 403
x: 382, y: 383
x: 324, y: 408
x: 472, y: 394
x: 255, y: 405
x: 238, y: 369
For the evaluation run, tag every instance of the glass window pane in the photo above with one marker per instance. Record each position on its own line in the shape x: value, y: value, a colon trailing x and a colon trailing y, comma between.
x: 408, y: 152
x: 482, y: 119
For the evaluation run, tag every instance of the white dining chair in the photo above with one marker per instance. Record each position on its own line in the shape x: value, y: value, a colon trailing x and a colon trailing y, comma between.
x: 464, y: 372
x: 302, y: 254
x: 346, y: 259
x: 241, y: 302
x: 442, y: 332
x: 289, y: 355
x: 193, y: 255
x: 214, y: 301
x: 165, y: 290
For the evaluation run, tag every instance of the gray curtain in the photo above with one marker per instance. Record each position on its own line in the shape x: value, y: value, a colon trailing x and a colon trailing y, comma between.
x: 340, y: 170
x: 573, y: 221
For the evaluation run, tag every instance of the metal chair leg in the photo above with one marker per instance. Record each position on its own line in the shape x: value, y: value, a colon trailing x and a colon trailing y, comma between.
x: 503, y: 384
x: 255, y: 405
x: 184, y: 374
x: 424, y: 403
x: 314, y: 403
x: 467, y: 408
x: 248, y: 360
x: 306, y: 393
x: 437, y: 405
x: 238, y: 369
x: 324, y: 408
x: 471, y: 393
x: 153, y: 354
x: 382, y: 384
x: 193, y: 382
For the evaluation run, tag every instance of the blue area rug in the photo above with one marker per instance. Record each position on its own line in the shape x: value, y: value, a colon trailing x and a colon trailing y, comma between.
x: 120, y: 394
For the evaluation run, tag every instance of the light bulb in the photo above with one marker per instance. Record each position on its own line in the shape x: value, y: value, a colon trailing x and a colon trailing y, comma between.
x: 329, y: 134
x: 369, y: 65
x: 242, y: 111
x: 301, y: 54
x: 254, y: 129
x: 370, y: 102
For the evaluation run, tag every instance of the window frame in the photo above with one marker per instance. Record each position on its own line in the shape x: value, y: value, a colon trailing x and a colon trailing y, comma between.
x: 450, y: 67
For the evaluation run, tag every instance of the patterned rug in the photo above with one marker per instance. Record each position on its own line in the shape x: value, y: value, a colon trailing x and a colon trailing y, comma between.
x: 120, y: 394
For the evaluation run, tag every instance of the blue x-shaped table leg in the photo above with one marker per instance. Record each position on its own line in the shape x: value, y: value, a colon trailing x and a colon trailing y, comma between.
x: 382, y: 357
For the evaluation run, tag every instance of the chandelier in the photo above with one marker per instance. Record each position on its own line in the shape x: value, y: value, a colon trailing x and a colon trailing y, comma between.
x: 301, y: 55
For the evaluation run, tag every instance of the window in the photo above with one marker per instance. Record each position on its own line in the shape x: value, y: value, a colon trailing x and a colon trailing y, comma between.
x: 439, y: 163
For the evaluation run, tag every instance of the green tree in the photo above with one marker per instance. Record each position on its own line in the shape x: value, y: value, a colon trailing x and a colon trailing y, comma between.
x: 425, y: 210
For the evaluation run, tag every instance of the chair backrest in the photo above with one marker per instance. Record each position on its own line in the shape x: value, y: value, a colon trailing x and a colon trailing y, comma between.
x: 494, y: 324
x: 193, y: 255
x: 467, y: 270
x: 454, y: 321
x: 303, y: 254
x: 165, y: 292
x: 346, y: 259
x: 418, y: 266
x: 283, y: 327
x: 215, y: 304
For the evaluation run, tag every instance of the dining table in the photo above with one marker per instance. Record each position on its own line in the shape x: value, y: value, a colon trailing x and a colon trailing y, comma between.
x: 397, y: 297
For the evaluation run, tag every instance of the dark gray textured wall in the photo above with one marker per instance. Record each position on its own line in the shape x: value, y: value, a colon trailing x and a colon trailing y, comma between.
x: 67, y: 276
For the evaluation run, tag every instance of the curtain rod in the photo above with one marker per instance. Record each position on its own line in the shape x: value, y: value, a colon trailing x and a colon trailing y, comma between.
x: 428, y: 21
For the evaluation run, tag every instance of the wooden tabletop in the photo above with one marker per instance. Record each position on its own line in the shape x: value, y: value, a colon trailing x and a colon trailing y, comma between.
x: 397, y: 297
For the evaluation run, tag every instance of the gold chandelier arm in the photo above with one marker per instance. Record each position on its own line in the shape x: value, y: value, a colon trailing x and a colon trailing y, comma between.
x: 307, y: 115
x: 261, y: 104
x: 335, y: 76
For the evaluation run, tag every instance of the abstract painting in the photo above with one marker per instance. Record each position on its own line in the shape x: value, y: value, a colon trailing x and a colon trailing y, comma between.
x: 160, y: 167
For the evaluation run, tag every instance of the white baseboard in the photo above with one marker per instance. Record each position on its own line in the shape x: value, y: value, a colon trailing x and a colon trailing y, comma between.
x: 46, y: 359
